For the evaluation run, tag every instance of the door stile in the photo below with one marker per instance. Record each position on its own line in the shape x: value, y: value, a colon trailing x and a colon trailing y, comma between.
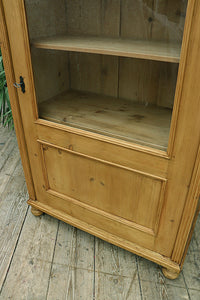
x: 5, y: 47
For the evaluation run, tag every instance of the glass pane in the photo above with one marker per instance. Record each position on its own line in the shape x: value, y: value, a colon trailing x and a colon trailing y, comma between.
x: 108, y: 67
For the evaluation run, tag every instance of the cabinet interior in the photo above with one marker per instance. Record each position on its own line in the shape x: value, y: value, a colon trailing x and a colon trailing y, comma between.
x: 108, y: 66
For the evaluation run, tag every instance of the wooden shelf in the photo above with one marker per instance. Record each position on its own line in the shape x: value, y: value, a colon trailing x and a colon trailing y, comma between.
x: 119, y: 118
x: 160, y: 51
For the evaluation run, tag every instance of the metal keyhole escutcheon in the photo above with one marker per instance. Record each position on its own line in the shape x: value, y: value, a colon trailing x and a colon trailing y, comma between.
x: 20, y: 85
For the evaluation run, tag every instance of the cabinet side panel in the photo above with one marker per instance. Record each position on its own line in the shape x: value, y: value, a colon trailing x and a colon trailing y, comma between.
x: 185, y: 124
x: 189, y: 217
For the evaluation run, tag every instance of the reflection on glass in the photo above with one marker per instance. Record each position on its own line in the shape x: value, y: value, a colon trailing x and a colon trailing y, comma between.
x: 108, y: 66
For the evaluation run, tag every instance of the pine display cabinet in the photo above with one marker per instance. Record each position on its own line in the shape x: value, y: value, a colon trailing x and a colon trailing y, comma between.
x: 106, y: 103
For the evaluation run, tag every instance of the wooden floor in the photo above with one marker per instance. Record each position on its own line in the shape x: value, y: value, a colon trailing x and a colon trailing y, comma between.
x: 43, y: 258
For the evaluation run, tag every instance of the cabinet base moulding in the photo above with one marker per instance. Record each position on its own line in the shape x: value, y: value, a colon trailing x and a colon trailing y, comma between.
x: 169, y: 266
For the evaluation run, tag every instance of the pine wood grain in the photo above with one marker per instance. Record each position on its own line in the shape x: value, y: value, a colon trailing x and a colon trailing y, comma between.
x: 84, y: 17
x: 51, y: 74
x: 128, y: 48
x: 42, y: 17
x: 136, y: 19
x: 94, y: 191
x: 109, y: 116
x: 82, y: 77
x: 183, y: 168
x: 14, y: 101
x: 145, y: 161
x: 76, y: 248
x: 147, y: 81
x: 184, y: 139
x: 168, y: 20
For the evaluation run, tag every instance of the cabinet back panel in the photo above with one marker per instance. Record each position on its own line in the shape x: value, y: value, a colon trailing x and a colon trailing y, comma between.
x: 51, y: 74
x: 145, y: 20
x: 134, y: 79
x: 113, y: 189
x: 93, y: 17
x: 94, y: 73
x: 147, y: 82
x: 168, y: 20
x: 142, y: 81
x: 45, y: 18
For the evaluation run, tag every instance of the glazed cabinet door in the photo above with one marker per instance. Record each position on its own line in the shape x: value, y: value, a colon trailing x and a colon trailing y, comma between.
x: 110, y: 111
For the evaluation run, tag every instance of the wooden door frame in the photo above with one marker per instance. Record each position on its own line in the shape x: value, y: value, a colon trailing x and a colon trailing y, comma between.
x: 8, y: 67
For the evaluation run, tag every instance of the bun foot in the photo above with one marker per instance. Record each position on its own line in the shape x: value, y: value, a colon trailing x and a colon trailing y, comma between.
x: 36, y: 212
x: 170, y: 274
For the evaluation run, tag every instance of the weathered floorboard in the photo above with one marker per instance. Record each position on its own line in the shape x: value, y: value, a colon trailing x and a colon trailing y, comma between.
x: 194, y: 294
x: 155, y: 290
x: 5, y: 134
x: 13, y: 210
x: 9, y: 167
x: 72, y: 271
x: 191, y: 267
x: 151, y: 272
x: 29, y: 271
x: 43, y: 258
x: 116, y: 274
x: 7, y: 148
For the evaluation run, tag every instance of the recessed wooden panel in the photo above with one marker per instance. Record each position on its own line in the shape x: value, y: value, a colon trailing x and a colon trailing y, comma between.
x: 120, y: 192
x: 144, y: 161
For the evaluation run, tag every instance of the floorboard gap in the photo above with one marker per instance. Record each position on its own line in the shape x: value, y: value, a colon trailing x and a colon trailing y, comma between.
x: 94, y: 268
x: 186, y: 286
x: 136, y: 257
x: 18, y: 238
x: 52, y: 260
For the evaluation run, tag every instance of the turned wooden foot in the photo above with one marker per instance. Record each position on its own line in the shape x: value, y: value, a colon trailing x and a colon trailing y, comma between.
x: 36, y: 212
x: 170, y: 274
